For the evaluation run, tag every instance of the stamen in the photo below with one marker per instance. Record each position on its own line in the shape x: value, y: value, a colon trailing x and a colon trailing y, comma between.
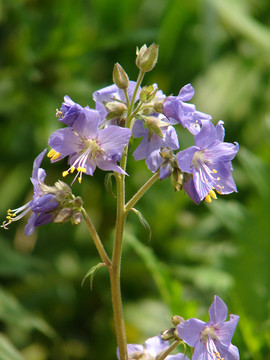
x: 213, y: 194
x: 208, y: 199
x: 81, y: 169
x: 214, y: 171
x: 65, y: 173
x: 53, y: 154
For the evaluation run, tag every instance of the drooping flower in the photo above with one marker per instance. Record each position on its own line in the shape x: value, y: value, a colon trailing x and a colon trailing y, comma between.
x: 151, y: 349
x: 42, y: 204
x: 69, y: 111
x: 212, y: 340
x: 208, y: 163
x: 176, y: 109
x: 87, y: 147
x: 157, y: 135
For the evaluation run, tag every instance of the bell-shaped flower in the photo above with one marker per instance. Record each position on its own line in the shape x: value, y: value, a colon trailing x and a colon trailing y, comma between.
x: 211, y: 340
x: 87, y: 147
x: 69, y: 111
x: 208, y: 164
x: 178, y: 111
x: 42, y: 204
x: 151, y: 349
x: 157, y: 135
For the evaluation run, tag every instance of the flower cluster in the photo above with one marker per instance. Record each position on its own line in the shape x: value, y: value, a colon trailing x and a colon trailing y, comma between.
x: 210, y: 341
x: 97, y: 138
x: 49, y: 203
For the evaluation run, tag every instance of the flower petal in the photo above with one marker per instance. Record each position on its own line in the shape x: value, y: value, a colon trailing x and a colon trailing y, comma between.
x: 190, y: 330
x: 113, y: 139
x: 184, y: 158
x: 30, y: 227
x: 87, y: 123
x: 65, y: 142
x: 226, y: 330
x: 218, y: 311
x: 155, y: 345
x: 186, y: 93
x: 36, y: 166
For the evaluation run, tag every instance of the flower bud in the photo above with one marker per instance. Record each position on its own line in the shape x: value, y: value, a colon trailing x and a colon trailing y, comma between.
x: 63, y: 216
x: 120, y: 77
x: 177, y: 178
x: 158, y: 106
x: 77, y: 218
x: 78, y: 202
x: 168, y: 334
x: 148, y: 93
x: 115, y: 109
x: 147, y: 57
x: 176, y: 320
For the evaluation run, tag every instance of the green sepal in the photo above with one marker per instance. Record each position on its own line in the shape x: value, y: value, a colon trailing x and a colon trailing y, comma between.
x: 91, y: 273
x: 143, y: 221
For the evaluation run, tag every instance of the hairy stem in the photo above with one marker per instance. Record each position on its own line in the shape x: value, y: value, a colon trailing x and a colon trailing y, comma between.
x: 141, y: 192
x: 173, y: 345
x: 116, y: 267
x: 96, y: 239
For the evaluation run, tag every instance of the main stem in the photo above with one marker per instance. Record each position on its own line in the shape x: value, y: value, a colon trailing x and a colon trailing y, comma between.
x: 116, y: 267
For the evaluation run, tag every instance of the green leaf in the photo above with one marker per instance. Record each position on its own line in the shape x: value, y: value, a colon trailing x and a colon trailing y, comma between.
x: 143, y: 221
x: 7, y: 350
x: 91, y: 273
x: 108, y: 184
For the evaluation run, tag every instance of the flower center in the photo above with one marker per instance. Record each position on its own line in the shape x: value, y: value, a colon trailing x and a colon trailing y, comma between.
x: 198, y: 159
x: 208, y: 337
x: 93, y: 148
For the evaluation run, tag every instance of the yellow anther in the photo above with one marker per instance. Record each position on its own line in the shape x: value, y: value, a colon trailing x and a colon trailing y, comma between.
x: 218, y: 178
x: 214, y: 171
x: 208, y: 198
x: 53, y: 154
x: 8, y: 217
x: 212, y: 194
x: 72, y: 169
x: 81, y: 169
x: 65, y: 173
x: 80, y: 180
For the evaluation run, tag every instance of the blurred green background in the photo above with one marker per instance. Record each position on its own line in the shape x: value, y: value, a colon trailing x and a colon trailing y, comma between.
x: 53, y: 48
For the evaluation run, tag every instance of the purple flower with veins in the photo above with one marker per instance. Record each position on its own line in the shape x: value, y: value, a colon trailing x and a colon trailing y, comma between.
x: 178, y: 111
x: 41, y: 205
x: 152, y: 143
x: 69, y: 111
x: 112, y: 93
x: 208, y: 163
x: 151, y: 349
x: 87, y: 147
x: 212, y: 340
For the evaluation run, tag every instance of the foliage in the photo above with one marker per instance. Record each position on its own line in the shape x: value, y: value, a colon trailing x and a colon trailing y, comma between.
x: 53, y: 48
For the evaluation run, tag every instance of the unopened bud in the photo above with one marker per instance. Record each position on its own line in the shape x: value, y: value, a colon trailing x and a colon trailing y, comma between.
x: 176, y: 320
x: 77, y: 218
x: 148, y: 93
x: 120, y: 77
x: 168, y: 334
x: 147, y: 57
x: 115, y: 110
x: 152, y: 124
x: 177, y: 178
x: 78, y: 202
x: 158, y: 106
x: 64, y: 215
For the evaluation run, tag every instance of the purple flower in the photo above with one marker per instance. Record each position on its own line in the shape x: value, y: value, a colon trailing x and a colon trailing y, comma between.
x: 69, y: 111
x: 152, y: 143
x: 112, y: 93
x: 208, y: 163
x: 150, y: 350
x: 176, y: 108
x: 87, y: 147
x: 41, y: 205
x: 212, y: 340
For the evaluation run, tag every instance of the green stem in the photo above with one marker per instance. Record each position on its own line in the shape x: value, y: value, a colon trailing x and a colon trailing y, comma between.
x: 130, y: 109
x: 116, y: 267
x: 173, y: 345
x: 141, y: 192
x: 96, y: 239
